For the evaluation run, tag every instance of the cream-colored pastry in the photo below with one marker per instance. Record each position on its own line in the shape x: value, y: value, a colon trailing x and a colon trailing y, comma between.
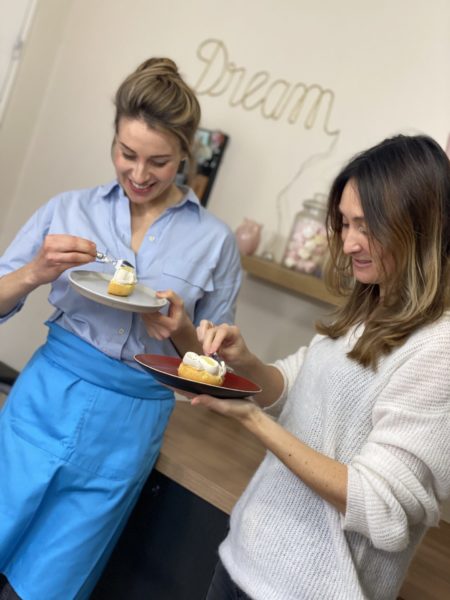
x: 204, y: 369
x: 123, y: 281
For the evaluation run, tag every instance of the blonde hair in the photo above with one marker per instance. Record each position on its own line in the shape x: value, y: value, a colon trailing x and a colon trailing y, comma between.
x: 157, y: 94
x: 403, y: 185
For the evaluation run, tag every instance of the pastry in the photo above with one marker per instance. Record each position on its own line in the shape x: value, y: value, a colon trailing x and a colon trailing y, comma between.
x: 123, y: 280
x: 202, y: 368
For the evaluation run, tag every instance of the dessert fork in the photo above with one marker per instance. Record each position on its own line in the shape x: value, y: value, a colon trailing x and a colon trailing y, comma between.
x: 105, y: 258
x: 217, y: 358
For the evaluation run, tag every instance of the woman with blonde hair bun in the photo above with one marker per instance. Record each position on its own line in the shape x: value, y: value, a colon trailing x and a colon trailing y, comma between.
x: 83, y: 424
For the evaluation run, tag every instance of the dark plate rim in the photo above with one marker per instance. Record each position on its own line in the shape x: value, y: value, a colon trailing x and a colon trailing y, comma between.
x: 190, y: 385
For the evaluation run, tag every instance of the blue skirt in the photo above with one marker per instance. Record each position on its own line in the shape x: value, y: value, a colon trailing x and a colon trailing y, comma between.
x: 79, y: 435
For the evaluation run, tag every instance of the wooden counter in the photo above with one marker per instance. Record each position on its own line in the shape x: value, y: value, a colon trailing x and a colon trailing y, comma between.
x: 214, y: 457
x: 182, y: 517
x: 208, y: 454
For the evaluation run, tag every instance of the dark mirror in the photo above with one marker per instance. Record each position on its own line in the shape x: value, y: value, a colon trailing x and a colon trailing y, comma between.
x: 209, y: 148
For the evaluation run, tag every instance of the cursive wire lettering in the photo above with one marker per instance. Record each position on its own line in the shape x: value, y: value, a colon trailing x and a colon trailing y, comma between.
x: 275, y: 99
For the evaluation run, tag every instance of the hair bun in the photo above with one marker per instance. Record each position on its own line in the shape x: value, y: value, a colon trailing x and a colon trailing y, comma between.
x: 158, y: 66
x: 156, y: 93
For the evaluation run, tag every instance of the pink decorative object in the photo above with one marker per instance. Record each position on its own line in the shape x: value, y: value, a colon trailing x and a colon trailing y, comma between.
x: 248, y: 236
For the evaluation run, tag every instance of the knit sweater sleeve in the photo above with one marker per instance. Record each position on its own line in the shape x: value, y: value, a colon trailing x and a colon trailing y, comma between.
x: 290, y: 368
x: 402, y: 473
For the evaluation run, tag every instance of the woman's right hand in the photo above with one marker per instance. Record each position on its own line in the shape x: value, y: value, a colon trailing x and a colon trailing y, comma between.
x: 229, y: 344
x: 224, y: 339
x: 58, y: 253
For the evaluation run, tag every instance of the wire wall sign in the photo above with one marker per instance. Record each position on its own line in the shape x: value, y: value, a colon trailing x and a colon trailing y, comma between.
x: 277, y: 99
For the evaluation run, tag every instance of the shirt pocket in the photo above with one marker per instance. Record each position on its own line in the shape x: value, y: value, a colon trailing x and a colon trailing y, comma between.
x: 187, y: 274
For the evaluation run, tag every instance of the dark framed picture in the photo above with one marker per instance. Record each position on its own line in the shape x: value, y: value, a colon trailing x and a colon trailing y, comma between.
x: 209, y: 148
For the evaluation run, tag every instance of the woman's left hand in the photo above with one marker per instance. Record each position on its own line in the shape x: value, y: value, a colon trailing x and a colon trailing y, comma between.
x: 160, y: 326
x: 176, y: 325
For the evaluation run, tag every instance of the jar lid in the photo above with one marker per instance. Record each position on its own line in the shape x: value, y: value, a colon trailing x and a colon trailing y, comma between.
x: 317, y: 202
x: 322, y: 198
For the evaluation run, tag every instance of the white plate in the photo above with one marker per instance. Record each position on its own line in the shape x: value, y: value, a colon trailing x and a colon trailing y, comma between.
x: 94, y: 285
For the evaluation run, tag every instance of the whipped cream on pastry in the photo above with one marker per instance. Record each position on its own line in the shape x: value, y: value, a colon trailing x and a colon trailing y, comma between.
x: 204, y: 369
x: 123, y: 280
x: 125, y: 275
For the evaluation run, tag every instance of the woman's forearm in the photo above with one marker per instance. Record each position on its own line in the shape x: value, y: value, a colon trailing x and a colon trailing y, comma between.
x: 326, y: 476
x: 15, y: 286
x: 185, y: 339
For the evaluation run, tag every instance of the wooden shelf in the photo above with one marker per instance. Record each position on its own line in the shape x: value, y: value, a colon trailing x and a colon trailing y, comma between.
x: 282, y: 277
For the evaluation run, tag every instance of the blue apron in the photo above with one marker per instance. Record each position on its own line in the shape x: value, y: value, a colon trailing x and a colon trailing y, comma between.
x: 79, y: 435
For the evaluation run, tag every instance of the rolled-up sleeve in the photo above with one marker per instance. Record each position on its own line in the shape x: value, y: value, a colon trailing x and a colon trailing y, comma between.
x: 402, y: 473
x: 24, y: 247
x: 289, y: 368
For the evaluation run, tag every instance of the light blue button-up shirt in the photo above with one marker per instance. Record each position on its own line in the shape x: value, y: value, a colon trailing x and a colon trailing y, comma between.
x: 186, y: 249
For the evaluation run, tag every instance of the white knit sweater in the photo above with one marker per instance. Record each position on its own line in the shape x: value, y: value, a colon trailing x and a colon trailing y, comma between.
x: 392, y: 429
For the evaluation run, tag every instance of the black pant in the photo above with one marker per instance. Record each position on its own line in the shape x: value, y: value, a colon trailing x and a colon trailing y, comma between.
x: 223, y: 587
x: 6, y: 591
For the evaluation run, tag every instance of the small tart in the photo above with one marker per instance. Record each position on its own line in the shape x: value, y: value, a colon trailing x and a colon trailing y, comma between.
x: 188, y: 372
x: 120, y: 289
x: 123, y: 281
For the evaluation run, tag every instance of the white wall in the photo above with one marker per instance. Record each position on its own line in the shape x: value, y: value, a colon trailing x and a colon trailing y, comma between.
x: 19, y: 337
x: 385, y: 62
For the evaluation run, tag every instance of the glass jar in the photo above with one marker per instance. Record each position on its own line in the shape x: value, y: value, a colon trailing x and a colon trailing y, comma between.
x: 307, y: 244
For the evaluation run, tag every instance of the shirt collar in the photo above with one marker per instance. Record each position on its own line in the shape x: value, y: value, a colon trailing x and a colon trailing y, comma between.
x: 107, y: 188
x: 189, y: 195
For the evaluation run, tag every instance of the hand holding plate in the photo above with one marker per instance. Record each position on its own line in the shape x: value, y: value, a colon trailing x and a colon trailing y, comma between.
x: 162, y: 327
x: 240, y: 410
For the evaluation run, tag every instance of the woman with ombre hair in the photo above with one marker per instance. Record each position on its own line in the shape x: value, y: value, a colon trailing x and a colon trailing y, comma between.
x: 358, y: 460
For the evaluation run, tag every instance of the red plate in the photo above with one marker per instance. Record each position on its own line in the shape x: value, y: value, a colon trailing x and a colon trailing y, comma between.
x: 165, y: 370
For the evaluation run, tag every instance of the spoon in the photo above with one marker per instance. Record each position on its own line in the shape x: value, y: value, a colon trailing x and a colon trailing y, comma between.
x: 105, y: 258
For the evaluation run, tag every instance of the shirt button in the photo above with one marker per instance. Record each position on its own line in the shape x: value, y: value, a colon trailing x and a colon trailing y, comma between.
x: 121, y: 331
x: 151, y: 238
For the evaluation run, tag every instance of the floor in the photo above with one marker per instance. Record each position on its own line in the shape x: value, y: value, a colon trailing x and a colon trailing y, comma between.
x: 429, y: 574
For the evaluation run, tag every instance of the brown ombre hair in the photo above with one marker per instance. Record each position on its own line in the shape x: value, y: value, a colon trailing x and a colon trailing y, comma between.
x: 403, y: 185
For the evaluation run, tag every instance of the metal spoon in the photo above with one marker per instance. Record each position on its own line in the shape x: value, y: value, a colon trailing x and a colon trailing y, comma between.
x: 105, y: 258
